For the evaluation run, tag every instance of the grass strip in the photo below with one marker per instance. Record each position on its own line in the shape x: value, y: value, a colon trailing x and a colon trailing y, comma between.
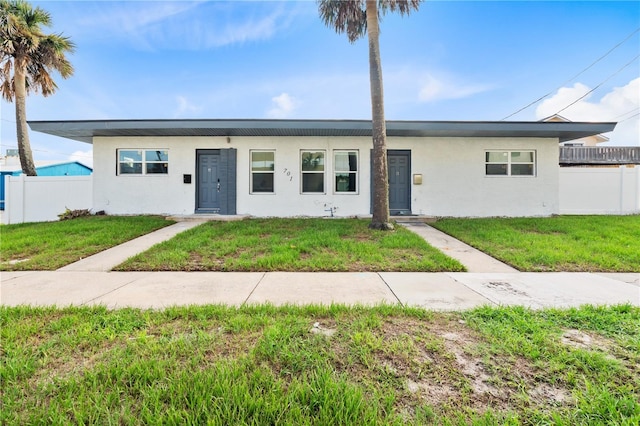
x: 304, y: 245
x: 48, y: 246
x: 263, y: 365
x: 560, y: 243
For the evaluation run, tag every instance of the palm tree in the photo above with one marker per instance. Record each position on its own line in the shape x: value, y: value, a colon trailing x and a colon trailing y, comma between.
x: 355, y: 18
x: 32, y: 56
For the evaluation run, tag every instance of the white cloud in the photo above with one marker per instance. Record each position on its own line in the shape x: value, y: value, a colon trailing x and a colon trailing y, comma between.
x: 188, y: 25
x: 283, y: 105
x: 613, y: 106
x: 249, y: 30
x: 84, y: 157
x: 438, y: 88
x: 133, y: 21
x: 185, y: 107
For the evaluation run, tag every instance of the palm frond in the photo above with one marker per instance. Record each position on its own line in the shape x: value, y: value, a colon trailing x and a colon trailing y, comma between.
x: 350, y: 16
x: 346, y: 16
x: 23, y: 43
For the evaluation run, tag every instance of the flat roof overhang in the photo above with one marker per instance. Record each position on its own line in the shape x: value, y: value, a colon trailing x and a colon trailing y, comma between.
x: 86, y: 130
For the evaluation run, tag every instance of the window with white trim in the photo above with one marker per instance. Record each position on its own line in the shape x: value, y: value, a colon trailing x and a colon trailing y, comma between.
x: 510, y: 163
x: 143, y: 161
x: 312, y: 170
x: 345, y: 171
x: 262, y: 171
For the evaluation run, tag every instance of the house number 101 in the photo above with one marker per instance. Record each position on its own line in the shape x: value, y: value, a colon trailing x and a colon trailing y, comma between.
x: 287, y: 172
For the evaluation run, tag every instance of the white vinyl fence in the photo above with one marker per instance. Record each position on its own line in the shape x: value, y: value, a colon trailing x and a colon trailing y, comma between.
x: 43, y: 198
x: 600, y: 190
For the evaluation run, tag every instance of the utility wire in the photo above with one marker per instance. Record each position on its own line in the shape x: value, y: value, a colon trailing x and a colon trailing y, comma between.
x: 600, y: 84
x: 575, y: 76
x: 50, y: 152
x: 628, y: 112
x: 629, y: 118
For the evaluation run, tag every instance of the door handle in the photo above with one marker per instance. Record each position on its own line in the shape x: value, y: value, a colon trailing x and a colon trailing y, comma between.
x: 218, y: 186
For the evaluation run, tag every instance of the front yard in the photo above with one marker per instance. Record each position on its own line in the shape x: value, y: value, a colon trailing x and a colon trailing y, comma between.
x: 47, y: 246
x: 345, y: 245
x: 320, y: 365
x: 562, y: 243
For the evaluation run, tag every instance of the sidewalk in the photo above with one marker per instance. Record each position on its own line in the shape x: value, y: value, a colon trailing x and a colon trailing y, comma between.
x: 87, y: 282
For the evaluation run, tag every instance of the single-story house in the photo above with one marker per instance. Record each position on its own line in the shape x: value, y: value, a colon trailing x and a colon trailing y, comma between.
x: 10, y: 166
x: 322, y: 167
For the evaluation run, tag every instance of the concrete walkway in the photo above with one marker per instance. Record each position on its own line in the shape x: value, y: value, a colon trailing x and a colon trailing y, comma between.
x: 438, y: 291
x: 88, y: 282
x: 474, y: 260
x: 110, y: 258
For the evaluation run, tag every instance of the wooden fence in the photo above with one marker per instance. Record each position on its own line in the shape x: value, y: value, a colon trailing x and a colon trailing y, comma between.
x: 599, y: 155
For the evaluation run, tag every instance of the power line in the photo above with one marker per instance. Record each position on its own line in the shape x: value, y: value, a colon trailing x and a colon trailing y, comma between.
x: 575, y: 76
x: 600, y: 84
x: 629, y: 118
x: 79, y: 154
x: 628, y: 112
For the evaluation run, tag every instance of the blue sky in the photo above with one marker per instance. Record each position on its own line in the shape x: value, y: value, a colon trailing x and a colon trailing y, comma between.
x: 451, y: 60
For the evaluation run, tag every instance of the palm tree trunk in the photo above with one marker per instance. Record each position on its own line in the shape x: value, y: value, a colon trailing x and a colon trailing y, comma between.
x: 380, y: 219
x: 22, y: 131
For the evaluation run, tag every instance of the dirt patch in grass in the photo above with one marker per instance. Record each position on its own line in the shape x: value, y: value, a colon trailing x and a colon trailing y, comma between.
x: 581, y: 340
x: 452, y: 365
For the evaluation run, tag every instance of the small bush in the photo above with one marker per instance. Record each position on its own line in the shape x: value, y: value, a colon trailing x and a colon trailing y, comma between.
x: 73, y: 214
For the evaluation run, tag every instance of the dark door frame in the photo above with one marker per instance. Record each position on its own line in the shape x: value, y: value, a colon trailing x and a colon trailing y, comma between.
x: 403, y: 152
x: 199, y: 153
x: 227, y: 174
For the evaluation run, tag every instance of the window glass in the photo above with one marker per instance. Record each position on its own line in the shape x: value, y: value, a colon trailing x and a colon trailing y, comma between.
x: 157, y: 168
x: 262, y: 182
x: 522, y: 157
x: 313, y: 161
x: 156, y: 155
x: 262, y: 161
x: 522, y: 169
x: 345, y: 182
x: 138, y: 161
x: 510, y: 163
x: 312, y: 169
x: 130, y: 168
x: 345, y: 171
x: 313, y: 182
x: 496, y: 169
x: 497, y: 157
x: 130, y: 156
x: 346, y: 161
x: 262, y: 171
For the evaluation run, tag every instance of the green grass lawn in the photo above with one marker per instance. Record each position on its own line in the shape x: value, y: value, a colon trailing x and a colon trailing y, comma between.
x: 51, y: 245
x: 292, y: 245
x: 369, y: 366
x: 562, y: 243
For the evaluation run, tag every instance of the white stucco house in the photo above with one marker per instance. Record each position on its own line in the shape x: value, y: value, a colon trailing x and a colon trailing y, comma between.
x: 322, y: 167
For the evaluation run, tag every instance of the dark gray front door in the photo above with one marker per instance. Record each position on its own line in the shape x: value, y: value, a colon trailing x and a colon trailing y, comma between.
x: 399, y: 182
x: 208, y: 183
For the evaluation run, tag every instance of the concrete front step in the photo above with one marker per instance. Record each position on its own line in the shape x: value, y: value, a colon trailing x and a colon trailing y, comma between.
x: 206, y: 217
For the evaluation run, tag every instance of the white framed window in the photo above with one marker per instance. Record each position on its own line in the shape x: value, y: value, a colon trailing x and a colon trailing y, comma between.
x: 312, y: 170
x: 262, y: 172
x: 510, y: 163
x: 143, y: 161
x: 345, y: 172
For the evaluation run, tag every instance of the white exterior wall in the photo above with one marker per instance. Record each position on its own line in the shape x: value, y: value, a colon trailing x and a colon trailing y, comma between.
x: 454, y: 183
x: 43, y: 198
x: 600, y: 190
